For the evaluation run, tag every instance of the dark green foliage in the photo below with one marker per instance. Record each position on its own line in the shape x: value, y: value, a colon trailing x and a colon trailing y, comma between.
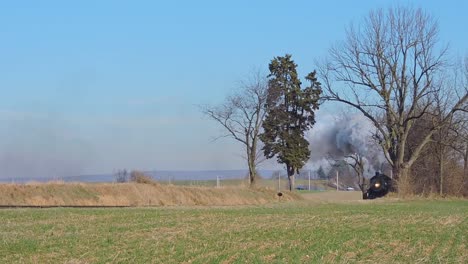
x: 321, y: 173
x: 342, y: 167
x: 290, y: 112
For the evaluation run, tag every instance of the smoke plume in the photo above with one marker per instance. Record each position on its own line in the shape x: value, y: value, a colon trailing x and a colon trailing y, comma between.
x: 40, y: 147
x: 336, y: 137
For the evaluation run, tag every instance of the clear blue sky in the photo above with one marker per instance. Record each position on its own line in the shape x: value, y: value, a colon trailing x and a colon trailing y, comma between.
x: 93, y: 86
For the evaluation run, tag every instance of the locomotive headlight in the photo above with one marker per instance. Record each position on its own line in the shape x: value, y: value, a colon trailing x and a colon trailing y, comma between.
x: 377, y: 184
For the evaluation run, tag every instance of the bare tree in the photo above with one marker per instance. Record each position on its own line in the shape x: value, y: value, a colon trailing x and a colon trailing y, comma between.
x: 440, y: 160
x: 241, y: 116
x: 388, y: 68
x: 356, y: 162
x: 121, y: 176
x: 465, y: 126
x: 452, y: 136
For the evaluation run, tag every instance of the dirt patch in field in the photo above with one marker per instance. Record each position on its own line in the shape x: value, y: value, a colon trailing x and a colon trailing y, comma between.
x: 339, y: 197
x: 133, y: 194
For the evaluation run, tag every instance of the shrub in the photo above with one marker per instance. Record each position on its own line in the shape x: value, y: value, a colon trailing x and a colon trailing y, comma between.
x: 121, y: 175
x: 140, y: 177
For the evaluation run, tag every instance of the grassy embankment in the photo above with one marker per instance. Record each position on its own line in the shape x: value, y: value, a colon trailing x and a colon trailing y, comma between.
x: 132, y: 194
x: 383, y: 231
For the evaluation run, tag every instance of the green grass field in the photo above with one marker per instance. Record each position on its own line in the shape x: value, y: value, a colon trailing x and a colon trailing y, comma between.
x: 298, y: 232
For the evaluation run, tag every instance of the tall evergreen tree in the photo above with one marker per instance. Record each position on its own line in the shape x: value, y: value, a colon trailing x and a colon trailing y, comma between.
x: 290, y: 112
x: 321, y: 173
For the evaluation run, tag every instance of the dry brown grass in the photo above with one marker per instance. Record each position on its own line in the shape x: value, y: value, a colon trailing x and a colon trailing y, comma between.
x: 132, y: 194
x: 334, y: 196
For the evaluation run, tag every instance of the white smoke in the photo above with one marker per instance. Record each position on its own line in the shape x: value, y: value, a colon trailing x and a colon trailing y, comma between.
x: 335, y: 137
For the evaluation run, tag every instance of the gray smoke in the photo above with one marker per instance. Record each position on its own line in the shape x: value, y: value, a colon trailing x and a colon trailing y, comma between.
x: 40, y: 147
x: 335, y: 137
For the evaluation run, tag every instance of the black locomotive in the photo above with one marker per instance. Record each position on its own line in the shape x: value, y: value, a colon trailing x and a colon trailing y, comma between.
x: 379, y: 186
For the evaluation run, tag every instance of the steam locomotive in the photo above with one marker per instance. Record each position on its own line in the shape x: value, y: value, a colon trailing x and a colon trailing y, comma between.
x: 379, y: 186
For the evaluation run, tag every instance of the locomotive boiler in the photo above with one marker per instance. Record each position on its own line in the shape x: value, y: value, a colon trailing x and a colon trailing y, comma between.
x: 379, y: 186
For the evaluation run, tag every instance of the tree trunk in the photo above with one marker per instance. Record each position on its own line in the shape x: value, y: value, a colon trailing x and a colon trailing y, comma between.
x: 291, y: 173
x: 251, y: 164
x: 251, y: 151
x: 401, y: 174
x: 362, y: 185
x: 396, y: 171
x: 441, y: 171
x: 291, y: 179
x: 401, y: 171
x: 252, y: 173
x: 465, y: 165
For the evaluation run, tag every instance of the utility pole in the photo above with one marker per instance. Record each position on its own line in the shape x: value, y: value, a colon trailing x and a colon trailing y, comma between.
x: 279, y: 181
x: 309, y: 180
x: 337, y: 180
x: 217, y: 181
